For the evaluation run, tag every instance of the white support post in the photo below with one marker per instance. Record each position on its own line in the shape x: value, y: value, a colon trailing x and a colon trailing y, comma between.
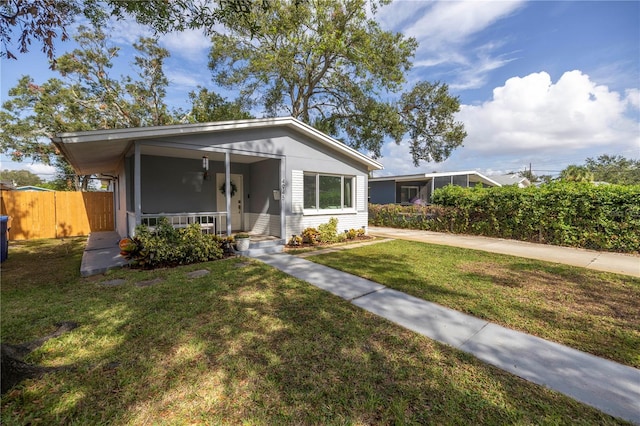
x: 227, y: 189
x: 137, y: 189
x: 283, y: 187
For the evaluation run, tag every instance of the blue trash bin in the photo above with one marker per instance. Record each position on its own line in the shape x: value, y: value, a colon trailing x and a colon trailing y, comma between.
x: 4, y: 238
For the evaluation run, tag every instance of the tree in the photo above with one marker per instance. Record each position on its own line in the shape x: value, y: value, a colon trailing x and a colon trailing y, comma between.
x: 38, y: 20
x: 21, y: 177
x: 44, y: 20
x: 614, y: 169
x: 575, y: 173
x: 329, y: 64
x: 209, y: 106
x: 86, y: 97
x: 527, y: 173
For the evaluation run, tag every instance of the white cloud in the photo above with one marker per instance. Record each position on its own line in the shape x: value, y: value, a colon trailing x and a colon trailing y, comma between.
x: 180, y: 79
x: 192, y: 45
x: 451, y: 23
x: 633, y: 98
x: 534, y: 114
x: 127, y: 31
x: 445, y: 30
x: 534, y: 120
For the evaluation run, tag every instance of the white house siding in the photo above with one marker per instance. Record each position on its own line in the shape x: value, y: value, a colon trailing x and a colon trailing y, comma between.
x: 361, y: 194
x: 297, y: 191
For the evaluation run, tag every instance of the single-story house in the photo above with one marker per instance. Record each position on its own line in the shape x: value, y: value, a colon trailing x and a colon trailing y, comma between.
x: 272, y: 176
x: 409, y: 189
x: 512, y: 179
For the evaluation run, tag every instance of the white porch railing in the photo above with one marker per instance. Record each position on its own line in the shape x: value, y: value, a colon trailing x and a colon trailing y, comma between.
x: 210, y: 222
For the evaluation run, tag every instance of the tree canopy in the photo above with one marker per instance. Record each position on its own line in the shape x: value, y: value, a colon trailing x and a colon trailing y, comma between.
x: 44, y: 21
x: 575, y: 173
x: 614, y: 169
x: 329, y: 64
x: 85, y: 97
x: 20, y: 177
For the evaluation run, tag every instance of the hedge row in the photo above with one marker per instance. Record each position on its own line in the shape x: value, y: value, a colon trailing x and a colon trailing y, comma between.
x: 572, y: 214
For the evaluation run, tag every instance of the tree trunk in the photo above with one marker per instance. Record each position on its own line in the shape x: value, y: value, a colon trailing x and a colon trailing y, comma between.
x: 13, y: 370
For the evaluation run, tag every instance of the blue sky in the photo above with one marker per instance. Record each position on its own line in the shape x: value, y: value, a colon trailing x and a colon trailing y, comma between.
x: 541, y: 82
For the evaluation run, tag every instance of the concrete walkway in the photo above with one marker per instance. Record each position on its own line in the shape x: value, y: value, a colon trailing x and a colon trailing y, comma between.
x: 101, y: 254
x: 608, y: 386
x: 601, y: 261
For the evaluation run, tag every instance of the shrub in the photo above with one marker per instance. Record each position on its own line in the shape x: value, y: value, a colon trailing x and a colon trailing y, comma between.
x: 295, y: 240
x: 167, y: 246
x: 310, y: 236
x: 328, y: 232
x: 562, y: 213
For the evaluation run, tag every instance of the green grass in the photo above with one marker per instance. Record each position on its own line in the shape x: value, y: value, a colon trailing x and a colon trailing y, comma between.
x: 245, y: 344
x: 592, y: 311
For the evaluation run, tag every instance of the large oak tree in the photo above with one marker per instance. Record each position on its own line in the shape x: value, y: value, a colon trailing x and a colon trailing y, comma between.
x: 330, y: 64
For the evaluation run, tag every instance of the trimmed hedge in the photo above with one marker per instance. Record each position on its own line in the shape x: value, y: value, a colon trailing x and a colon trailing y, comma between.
x: 571, y: 214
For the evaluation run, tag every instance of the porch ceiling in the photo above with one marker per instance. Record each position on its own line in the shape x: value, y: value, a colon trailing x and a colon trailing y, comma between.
x: 161, y: 151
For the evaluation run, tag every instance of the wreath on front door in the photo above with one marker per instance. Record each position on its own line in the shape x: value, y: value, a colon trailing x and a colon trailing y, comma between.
x: 233, y: 187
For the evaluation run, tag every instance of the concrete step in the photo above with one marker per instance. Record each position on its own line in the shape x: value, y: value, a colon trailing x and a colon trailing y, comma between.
x: 259, y: 248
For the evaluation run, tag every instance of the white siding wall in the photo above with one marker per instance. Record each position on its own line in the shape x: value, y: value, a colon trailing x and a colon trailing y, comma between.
x: 297, y: 191
x: 361, y: 194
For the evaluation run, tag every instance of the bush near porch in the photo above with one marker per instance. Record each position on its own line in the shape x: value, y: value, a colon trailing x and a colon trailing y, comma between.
x: 168, y: 246
x: 571, y: 214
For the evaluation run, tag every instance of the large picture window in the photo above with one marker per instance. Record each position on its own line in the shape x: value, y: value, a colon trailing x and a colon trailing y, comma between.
x: 328, y: 192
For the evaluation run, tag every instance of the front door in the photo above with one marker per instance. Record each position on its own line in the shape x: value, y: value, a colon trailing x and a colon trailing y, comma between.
x: 237, y: 200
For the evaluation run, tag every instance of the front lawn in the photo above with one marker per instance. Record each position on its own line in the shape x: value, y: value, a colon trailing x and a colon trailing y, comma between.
x: 592, y: 311
x: 245, y: 344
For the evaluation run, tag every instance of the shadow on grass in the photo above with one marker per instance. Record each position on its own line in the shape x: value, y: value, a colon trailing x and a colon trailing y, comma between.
x: 247, y: 343
x: 591, y: 311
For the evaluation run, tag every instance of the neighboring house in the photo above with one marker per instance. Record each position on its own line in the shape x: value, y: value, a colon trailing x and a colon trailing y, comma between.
x: 512, y: 179
x: 282, y: 175
x: 32, y: 188
x: 409, y: 189
x: 7, y: 185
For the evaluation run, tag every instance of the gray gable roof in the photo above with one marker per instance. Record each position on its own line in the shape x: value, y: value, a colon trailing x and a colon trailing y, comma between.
x: 101, y: 151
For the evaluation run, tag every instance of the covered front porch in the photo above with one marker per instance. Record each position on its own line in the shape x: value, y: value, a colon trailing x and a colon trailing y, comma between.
x: 223, y: 190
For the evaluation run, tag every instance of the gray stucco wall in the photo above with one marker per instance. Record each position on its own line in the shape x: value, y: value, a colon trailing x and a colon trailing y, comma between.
x: 264, y: 177
x: 176, y: 185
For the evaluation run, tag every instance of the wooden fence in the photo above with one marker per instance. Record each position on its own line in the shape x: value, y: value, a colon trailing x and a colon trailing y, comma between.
x: 56, y: 214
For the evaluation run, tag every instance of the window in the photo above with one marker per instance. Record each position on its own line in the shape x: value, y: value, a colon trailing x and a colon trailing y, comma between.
x: 441, y: 181
x: 408, y: 193
x: 328, y: 192
x: 461, y: 180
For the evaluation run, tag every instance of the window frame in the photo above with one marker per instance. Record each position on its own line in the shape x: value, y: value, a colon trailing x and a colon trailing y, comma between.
x: 329, y: 211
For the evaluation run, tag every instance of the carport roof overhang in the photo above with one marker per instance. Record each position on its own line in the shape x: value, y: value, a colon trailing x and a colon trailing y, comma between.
x: 102, y: 151
x: 473, y: 177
